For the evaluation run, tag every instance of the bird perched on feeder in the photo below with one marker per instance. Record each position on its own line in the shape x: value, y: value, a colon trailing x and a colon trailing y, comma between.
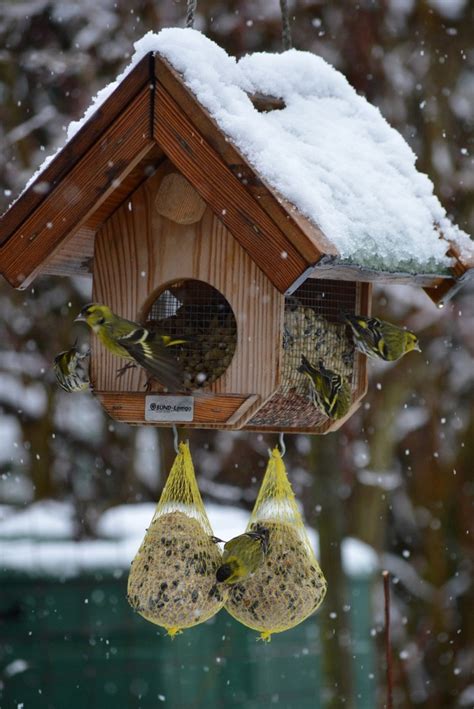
x: 329, y: 391
x: 242, y: 556
x: 135, y: 343
x: 69, y: 370
x: 381, y: 339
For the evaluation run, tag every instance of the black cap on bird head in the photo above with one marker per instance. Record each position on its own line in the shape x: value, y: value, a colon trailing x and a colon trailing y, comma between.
x: 85, y: 311
x: 223, y: 572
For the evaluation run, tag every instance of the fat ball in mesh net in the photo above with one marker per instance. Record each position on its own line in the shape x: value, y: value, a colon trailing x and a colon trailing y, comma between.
x: 172, y: 581
x: 288, y: 585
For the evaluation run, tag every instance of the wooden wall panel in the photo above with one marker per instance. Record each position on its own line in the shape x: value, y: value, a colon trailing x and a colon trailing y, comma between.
x: 138, y: 251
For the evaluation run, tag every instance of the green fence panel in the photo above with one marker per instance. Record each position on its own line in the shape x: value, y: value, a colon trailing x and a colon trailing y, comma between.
x: 76, y: 644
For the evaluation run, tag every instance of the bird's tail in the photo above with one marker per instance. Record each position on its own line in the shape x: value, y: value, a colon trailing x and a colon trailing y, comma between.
x: 305, y: 367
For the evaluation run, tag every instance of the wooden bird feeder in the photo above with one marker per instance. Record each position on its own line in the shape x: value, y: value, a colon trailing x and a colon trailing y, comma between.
x: 153, y: 202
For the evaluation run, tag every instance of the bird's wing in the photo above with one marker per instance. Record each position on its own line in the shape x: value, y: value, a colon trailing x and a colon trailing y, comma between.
x: 148, y: 350
x: 232, y: 544
x: 331, y: 398
x: 376, y: 334
x: 369, y: 331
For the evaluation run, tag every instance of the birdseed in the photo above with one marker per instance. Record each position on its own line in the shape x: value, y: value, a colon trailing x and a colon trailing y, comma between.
x: 285, y: 590
x: 172, y: 580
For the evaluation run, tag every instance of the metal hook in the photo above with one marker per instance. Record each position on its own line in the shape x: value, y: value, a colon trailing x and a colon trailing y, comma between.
x: 281, y: 443
x: 175, y: 439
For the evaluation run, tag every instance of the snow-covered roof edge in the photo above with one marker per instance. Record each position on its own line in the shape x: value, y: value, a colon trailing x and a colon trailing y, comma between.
x: 309, y: 151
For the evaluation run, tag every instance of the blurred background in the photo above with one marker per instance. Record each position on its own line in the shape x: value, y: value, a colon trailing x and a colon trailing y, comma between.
x: 393, y: 489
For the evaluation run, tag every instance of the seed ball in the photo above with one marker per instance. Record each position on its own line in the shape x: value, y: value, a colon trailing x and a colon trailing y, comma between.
x: 285, y: 590
x: 172, y: 581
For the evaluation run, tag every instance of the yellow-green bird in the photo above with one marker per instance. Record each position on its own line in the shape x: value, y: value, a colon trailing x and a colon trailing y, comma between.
x: 70, y: 372
x: 242, y: 556
x: 329, y: 392
x: 135, y: 343
x: 381, y: 339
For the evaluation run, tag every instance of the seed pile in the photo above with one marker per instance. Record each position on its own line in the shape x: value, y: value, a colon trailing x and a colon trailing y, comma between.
x: 309, y: 334
x: 285, y: 590
x: 209, y: 350
x: 210, y: 344
x: 172, y: 581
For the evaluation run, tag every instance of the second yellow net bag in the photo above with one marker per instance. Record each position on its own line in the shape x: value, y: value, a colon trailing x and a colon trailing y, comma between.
x: 172, y: 580
x: 289, y: 585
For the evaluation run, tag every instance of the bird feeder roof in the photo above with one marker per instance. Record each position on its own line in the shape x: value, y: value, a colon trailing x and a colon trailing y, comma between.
x: 304, y: 172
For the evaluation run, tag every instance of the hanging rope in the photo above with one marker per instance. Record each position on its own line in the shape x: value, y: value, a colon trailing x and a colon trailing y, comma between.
x: 285, y: 25
x: 175, y: 439
x: 281, y: 442
x: 190, y: 13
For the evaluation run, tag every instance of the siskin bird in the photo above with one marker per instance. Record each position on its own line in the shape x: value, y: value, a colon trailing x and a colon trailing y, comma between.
x: 329, y: 391
x: 242, y: 556
x: 69, y: 370
x: 135, y: 343
x: 381, y: 339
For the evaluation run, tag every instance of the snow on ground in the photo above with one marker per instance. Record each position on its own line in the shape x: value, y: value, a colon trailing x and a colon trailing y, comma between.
x: 48, y: 519
x: 329, y: 151
x: 38, y: 539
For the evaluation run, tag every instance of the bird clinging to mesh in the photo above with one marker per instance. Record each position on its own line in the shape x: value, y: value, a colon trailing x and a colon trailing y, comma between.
x: 70, y: 372
x: 242, y: 556
x: 330, y: 392
x: 381, y: 339
x: 135, y: 343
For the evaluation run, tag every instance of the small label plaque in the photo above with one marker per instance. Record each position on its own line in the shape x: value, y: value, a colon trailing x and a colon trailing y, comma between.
x: 169, y: 408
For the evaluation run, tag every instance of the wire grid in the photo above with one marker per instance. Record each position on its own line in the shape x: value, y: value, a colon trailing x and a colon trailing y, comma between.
x: 313, y: 327
x: 196, y: 312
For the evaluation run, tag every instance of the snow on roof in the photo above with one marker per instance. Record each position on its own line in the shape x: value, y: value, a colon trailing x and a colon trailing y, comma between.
x: 328, y: 152
x: 38, y: 539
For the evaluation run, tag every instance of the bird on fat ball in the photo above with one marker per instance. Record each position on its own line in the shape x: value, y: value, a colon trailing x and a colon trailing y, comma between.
x: 242, y: 556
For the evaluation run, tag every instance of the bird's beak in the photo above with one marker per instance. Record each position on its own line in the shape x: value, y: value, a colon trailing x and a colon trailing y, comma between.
x: 417, y: 347
x: 80, y: 318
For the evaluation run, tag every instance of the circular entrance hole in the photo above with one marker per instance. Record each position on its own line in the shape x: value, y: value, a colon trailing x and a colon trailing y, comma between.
x: 197, y: 313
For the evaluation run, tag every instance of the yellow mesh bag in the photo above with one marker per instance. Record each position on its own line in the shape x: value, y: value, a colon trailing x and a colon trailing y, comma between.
x: 289, y: 586
x: 172, y: 581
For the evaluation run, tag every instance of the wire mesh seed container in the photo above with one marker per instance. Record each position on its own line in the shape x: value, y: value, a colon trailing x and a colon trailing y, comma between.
x: 313, y: 327
x: 198, y: 314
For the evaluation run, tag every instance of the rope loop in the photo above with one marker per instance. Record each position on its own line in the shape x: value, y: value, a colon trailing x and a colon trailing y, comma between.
x: 191, y: 10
